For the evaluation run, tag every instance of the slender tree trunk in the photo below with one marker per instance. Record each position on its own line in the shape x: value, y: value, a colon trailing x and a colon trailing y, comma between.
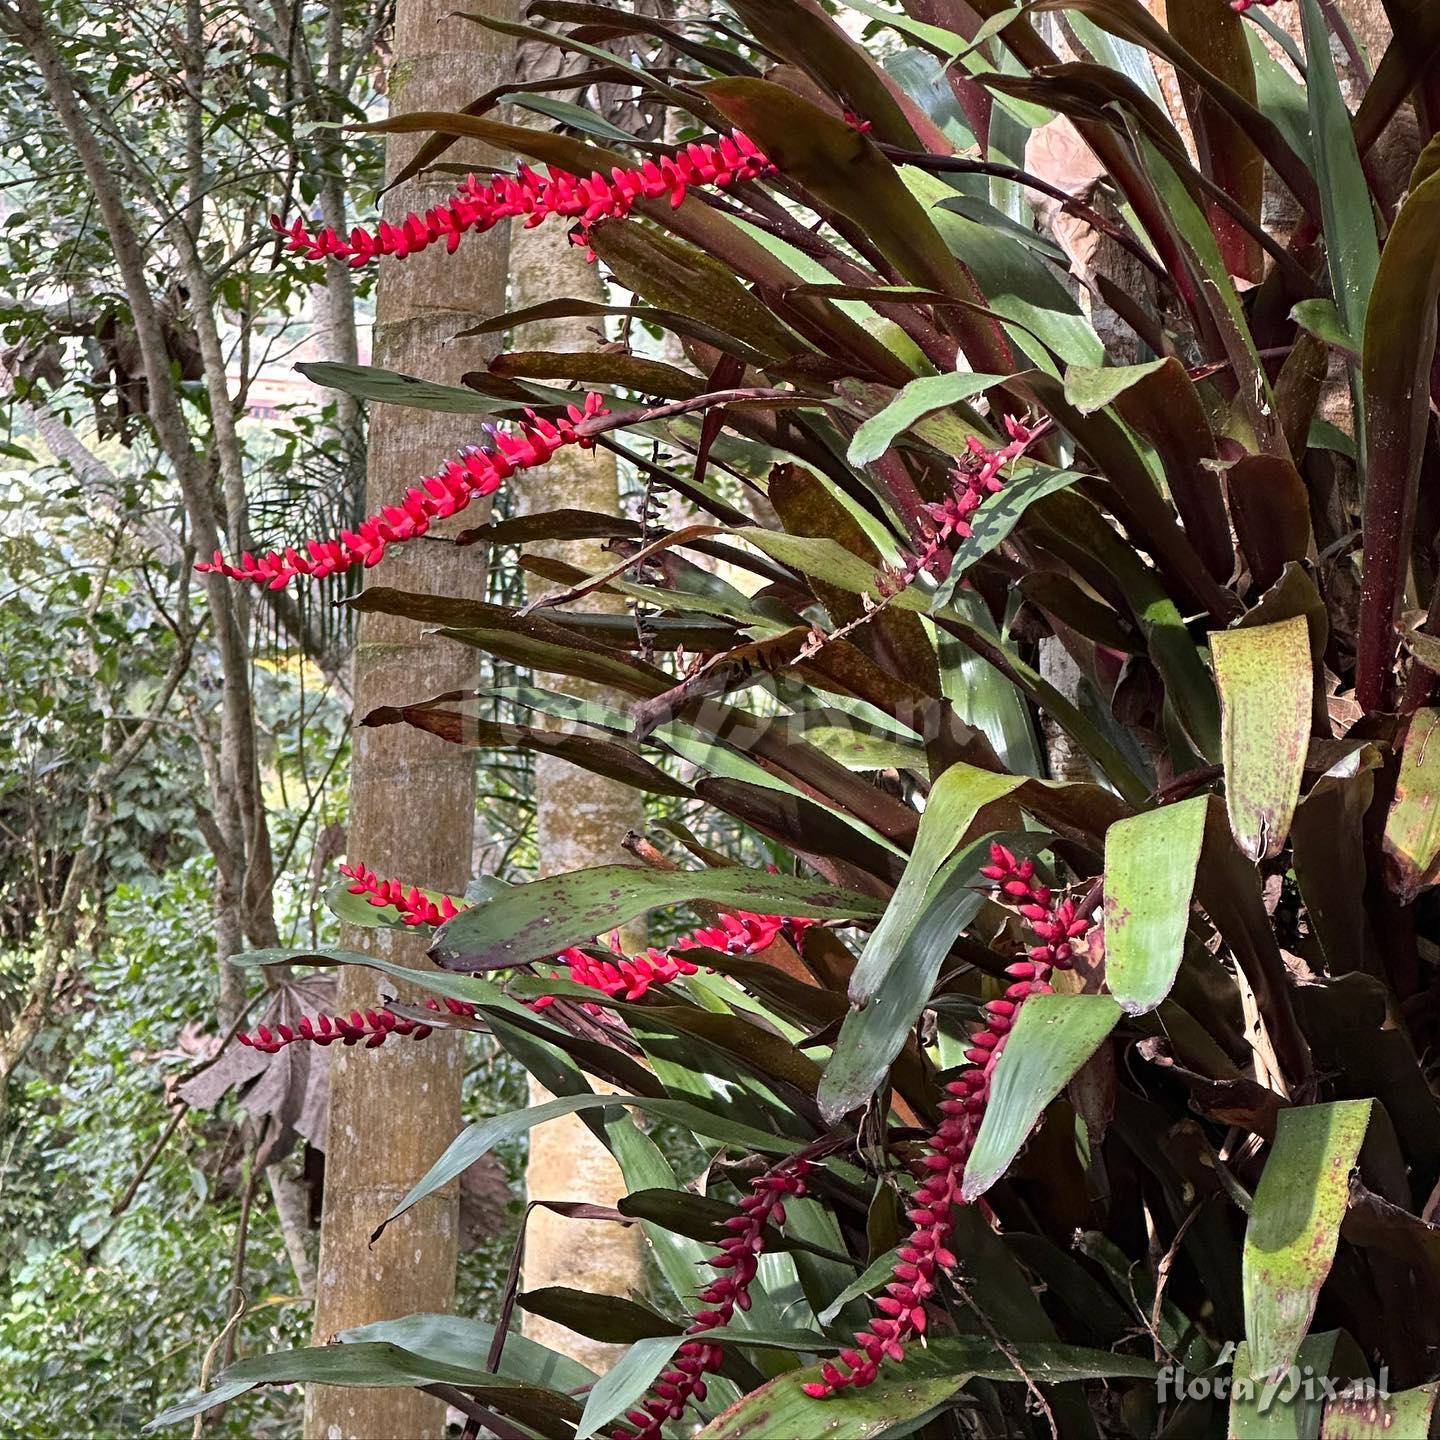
x: 580, y: 819
x: 242, y: 852
x: 394, y: 1109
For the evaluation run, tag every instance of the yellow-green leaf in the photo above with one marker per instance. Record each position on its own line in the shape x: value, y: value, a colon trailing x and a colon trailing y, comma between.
x: 1265, y: 678
x: 1054, y: 1036
x: 1150, y: 863
x: 1412, y: 829
x: 1295, y: 1225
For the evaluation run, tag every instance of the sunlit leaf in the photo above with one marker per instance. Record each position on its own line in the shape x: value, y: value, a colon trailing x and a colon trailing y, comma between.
x: 1295, y: 1225
x: 1150, y: 864
x: 1054, y: 1036
x: 1265, y: 679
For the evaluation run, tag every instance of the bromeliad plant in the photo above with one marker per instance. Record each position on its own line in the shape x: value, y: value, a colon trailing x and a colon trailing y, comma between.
x: 1066, y: 1082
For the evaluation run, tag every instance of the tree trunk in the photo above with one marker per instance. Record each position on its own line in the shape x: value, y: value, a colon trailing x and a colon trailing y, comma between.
x: 580, y: 820
x: 394, y: 1109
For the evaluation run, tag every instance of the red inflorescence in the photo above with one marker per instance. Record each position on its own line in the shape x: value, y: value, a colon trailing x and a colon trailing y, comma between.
x: 414, y: 905
x: 479, y: 205
x: 479, y: 471
x: 738, y: 1261
x: 629, y: 979
x: 976, y: 476
x: 1057, y: 927
x: 624, y: 978
x: 1241, y: 6
x: 374, y: 1027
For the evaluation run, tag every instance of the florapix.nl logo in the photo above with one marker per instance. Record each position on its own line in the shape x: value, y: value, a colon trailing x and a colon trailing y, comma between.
x: 1297, y: 1383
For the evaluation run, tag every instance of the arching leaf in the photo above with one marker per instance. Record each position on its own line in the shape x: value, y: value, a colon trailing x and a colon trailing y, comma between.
x: 1150, y: 863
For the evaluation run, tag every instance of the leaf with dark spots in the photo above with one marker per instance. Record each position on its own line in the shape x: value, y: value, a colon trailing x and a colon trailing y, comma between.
x: 1150, y: 864
x: 1294, y: 1225
x: 1265, y: 678
x: 1412, y: 828
x: 533, y: 921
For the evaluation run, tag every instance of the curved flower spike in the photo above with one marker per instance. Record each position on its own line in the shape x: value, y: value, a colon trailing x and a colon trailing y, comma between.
x: 479, y: 205
x: 479, y: 471
x: 926, y: 1252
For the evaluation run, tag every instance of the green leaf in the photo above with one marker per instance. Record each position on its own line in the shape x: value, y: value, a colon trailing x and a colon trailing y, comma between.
x: 459, y: 1340
x: 369, y: 382
x: 478, y: 1140
x: 378, y: 1365
x: 1295, y: 1225
x: 626, y: 1382
x: 1091, y: 388
x: 1150, y: 864
x: 928, y: 1377
x: 916, y: 400
x: 578, y: 117
x: 826, y: 560
x: 1015, y: 282
x: 1268, y: 1410
x: 1266, y: 679
x: 1412, y: 828
x: 873, y: 1035
x: 998, y: 515
x: 1322, y: 319
x: 860, y: 750
x: 956, y: 798
x: 875, y: 1274
x: 1054, y: 1036
x: 357, y: 910
x: 541, y: 918
x: 1351, y: 248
